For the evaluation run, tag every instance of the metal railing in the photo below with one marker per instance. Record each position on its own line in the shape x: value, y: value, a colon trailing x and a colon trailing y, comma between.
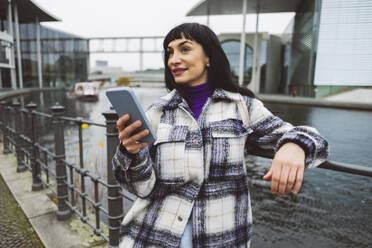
x: 19, y: 124
x: 330, y: 165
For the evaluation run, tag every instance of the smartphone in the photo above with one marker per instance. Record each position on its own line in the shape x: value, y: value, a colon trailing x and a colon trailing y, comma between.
x: 124, y: 102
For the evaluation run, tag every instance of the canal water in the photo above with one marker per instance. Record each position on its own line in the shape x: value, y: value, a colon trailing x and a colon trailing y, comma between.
x: 333, y: 209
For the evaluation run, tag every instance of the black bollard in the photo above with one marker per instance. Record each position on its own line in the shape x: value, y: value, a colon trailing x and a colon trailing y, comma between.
x: 115, y: 200
x: 63, y: 212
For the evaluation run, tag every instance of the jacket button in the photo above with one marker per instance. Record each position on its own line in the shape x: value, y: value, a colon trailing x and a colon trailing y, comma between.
x: 180, y: 219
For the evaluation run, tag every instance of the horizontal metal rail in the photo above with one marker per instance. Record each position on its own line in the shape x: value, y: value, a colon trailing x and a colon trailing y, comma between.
x: 85, y: 219
x: 329, y: 165
x: 25, y: 138
x: 46, y: 168
x: 81, y: 121
x: 128, y: 197
x: 42, y: 114
x: 26, y: 165
x: 348, y: 168
x: 44, y: 149
x: 85, y: 196
x: 86, y: 173
x: 69, y: 119
x: 48, y: 185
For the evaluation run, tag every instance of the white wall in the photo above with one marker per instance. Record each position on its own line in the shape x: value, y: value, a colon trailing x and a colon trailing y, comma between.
x: 344, y: 54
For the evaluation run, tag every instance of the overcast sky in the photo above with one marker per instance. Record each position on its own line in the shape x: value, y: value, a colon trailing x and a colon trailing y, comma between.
x: 93, y: 18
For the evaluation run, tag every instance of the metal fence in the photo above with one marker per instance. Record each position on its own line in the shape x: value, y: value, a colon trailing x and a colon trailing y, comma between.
x: 20, y: 136
x: 18, y: 125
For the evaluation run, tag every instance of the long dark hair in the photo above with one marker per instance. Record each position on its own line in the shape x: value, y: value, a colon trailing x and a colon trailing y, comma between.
x: 219, y: 72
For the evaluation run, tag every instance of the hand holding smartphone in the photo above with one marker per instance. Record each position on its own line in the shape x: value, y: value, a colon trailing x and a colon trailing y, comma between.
x: 124, y: 102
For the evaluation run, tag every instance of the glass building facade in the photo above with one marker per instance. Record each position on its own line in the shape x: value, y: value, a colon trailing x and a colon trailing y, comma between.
x: 303, y: 49
x: 65, y: 57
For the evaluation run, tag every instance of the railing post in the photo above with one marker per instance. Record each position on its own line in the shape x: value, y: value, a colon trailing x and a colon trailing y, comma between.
x: 2, y: 121
x: 17, y: 137
x: 36, y: 181
x: 115, y: 200
x: 4, y: 124
x: 26, y: 133
x: 11, y: 127
x: 63, y: 212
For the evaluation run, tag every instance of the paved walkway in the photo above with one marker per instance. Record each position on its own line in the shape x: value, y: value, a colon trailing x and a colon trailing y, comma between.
x: 27, y: 218
x: 15, y: 229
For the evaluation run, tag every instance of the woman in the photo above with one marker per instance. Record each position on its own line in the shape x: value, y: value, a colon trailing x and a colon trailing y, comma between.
x: 191, y: 183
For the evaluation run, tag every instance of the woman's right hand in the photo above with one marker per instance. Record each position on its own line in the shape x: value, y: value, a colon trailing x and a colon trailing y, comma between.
x: 131, y: 143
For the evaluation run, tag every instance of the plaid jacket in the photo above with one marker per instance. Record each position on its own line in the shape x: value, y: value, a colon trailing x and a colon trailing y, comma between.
x: 196, y: 169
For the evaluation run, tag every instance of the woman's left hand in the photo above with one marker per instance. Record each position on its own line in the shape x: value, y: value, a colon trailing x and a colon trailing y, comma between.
x: 287, y: 169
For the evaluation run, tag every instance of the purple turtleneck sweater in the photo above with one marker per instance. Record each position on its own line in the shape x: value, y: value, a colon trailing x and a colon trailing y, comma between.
x: 197, y: 96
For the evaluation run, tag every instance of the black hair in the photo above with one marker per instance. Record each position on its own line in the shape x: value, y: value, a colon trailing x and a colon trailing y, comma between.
x: 219, y: 72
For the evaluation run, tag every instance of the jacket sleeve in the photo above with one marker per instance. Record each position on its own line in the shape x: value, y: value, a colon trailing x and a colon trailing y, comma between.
x: 135, y: 172
x: 269, y: 132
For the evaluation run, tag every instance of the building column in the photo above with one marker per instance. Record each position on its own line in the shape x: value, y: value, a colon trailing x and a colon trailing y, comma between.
x: 10, y: 31
x: 255, y: 78
x: 19, y: 58
x: 1, y: 80
x: 38, y: 48
x: 242, y: 45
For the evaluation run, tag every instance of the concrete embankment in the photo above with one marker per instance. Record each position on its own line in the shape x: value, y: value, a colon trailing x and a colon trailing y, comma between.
x: 315, y: 102
x: 351, y: 101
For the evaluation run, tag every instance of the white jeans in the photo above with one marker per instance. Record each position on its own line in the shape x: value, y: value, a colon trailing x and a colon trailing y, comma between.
x: 186, y: 241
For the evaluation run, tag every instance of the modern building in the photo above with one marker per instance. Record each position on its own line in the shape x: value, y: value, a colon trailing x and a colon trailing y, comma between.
x: 326, y: 48
x: 32, y: 55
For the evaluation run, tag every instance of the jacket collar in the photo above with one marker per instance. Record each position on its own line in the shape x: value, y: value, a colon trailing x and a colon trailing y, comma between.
x: 173, y: 99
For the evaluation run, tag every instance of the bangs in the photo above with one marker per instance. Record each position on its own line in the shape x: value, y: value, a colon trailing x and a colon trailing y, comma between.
x: 187, y: 31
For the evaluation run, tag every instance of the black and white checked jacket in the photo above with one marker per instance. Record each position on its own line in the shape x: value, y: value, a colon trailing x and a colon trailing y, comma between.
x: 196, y: 169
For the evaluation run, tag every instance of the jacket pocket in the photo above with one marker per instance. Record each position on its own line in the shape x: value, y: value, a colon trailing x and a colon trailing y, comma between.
x: 170, y: 157
x: 227, y: 154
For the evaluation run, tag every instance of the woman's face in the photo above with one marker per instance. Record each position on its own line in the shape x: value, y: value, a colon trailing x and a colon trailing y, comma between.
x: 187, y: 62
